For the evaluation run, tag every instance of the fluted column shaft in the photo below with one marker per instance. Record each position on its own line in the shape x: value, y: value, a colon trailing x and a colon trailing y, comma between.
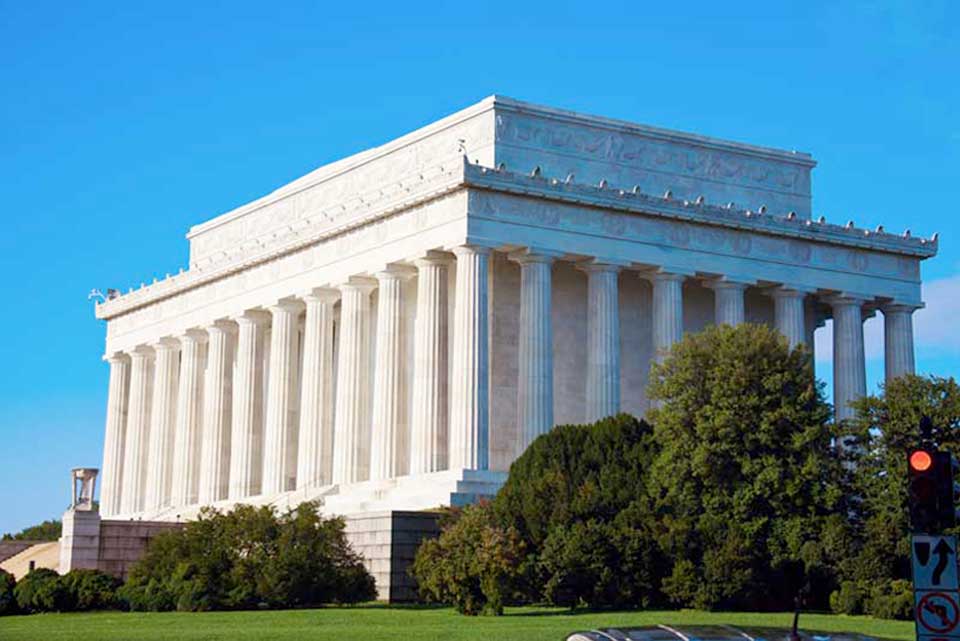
x: 789, y: 315
x: 217, y: 401
x: 136, y: 448
x: 603, y: 341
x: 351, y: 453
x: 728, y: 305
x: 428, y: 446
x: 315, y: 455
x: 898, y: 356
x: 113, y: 442
x: 246, y: 432
x: 849, y: 368
x: 667, y: 312
x: 470, y: 387
x: 163, y: 423
x: 188, y: 441
x: 280, y: 433
x: 389, y: 442
x: 535, y: 347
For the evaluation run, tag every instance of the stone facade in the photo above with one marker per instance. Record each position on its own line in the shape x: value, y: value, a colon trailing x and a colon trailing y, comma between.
x: 390, y: 331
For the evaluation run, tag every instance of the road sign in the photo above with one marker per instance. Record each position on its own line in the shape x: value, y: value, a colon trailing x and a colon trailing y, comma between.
x: 937, y: 613
x: 934, y: 563
x: 938, y: 637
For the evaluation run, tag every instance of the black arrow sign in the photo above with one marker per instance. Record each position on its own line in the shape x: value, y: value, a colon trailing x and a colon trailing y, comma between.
x: 943, y: 550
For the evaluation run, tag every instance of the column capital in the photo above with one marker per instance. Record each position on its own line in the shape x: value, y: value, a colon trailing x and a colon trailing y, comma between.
x: 787, y: 291
x: 845, y: 299
x: 726, y: 282
x: 665, y: 276
x: 396, y: 271
x: 117, y: 357
x: 142, y: 351
x: 534, y: 255
x: 222, y: 326
x: 193, y: 336
x: 363, y: 284
x: 433, y: 257
x: 466, y: 250
x: 598, y: 264
x: 320, y: 295
x: 166, y: 343
x: 252, y: 316
x: 288, y: 305
x: 894, y: 307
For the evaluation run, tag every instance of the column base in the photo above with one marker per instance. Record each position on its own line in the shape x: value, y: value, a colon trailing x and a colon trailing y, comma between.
x: 80, y: 541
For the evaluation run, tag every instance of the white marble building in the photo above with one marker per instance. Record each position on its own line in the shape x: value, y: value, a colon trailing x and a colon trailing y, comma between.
x: 391, y: 330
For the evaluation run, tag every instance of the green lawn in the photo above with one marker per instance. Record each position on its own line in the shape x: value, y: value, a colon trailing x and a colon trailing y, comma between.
x: 375, y: 622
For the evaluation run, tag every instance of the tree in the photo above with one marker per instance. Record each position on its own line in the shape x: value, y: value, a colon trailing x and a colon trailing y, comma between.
x: 884, y: 428
x: 746, y: 486
x: 474, y: 564
x: 91, y: 589
x: 249, y: 558
x: 8, y: 600
x: 46, y: 531
x: 42, y: 590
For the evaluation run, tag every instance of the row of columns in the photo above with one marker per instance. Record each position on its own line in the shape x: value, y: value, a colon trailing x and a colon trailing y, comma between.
x: 201, y: 418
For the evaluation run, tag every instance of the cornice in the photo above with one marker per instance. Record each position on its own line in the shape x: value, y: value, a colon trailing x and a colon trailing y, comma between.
x: 456, y: 174
x: 633, y: 200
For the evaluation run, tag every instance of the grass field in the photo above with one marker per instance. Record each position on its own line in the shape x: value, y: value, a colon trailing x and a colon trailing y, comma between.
x: 376, y: 622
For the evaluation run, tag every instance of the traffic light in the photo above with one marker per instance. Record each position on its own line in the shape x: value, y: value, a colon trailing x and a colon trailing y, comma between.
x: 931, y: 491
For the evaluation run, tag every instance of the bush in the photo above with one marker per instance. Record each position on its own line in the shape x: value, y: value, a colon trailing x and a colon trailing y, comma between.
x: 891, y: 600
x: 42, y: 590
x: 91, y: 589
x: 249, y: 558
x: 8, y: 601
x: 848, y: 599
x: 474, y: 564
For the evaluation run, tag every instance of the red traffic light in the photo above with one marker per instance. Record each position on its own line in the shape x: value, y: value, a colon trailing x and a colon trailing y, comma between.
x: 920, y: 460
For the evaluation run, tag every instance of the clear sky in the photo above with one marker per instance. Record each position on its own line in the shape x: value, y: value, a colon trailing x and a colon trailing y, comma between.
x: 122, y: 126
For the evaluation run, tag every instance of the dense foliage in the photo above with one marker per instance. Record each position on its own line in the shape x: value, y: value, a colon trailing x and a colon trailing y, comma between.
x: 876, y: 575
x: 46, y: 531
x: 8, y: 600
x: 474, y: 564
x: 249, y: 558
x: 44, y: 590
x: 748, y: 490
x: 736, y: 498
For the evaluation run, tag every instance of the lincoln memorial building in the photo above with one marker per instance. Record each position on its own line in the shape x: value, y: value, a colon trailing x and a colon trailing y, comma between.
x: 390, y: 331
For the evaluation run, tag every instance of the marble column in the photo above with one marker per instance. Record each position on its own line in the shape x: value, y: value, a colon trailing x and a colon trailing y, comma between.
x: 667, y: 312
x: 728, y: 305
x: 315, y: 450
x: 280, y: 431
x: 217, y: 401
x: 603, y: 341
x: 351, y: 441
x: 113, y: 442
x: 428, y: 439
x: 389, y: 441
x: 470, y: 387
x: 535, y: 346
x: 136, y: 453
x: 849, y: 368
x: 789, y: 315
x: 163, y: 421
x: 246, y: 431
x: 898, y: 340
x: 188, y: 441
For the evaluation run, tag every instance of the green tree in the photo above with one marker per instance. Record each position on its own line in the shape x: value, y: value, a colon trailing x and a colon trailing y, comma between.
x: 43, y: 590
x: 91, y: 589
x: 8, y: 601
x: 248, y: 558
x: 885, y: 427
x: 474, y: 564
x: 46, y: 531
x: 746, y: 484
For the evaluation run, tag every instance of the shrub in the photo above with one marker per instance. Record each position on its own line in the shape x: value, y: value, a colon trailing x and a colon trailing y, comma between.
x: 249, y: 558
x: 891, y: 600
x: 91, y: 589
x: 474, y: 564
x: 42, y: 590
x: 8, y: 601
x: 848, y: 599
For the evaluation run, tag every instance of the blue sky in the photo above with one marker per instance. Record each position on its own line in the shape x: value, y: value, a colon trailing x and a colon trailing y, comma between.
x: 122, y: 126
